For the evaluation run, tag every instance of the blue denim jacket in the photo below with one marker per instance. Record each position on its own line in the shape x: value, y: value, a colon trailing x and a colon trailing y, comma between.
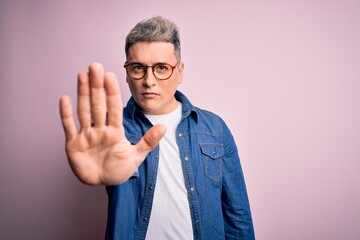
x: 214, y: 180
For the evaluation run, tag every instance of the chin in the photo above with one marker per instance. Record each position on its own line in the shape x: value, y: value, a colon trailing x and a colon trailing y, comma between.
x: 148, y: 109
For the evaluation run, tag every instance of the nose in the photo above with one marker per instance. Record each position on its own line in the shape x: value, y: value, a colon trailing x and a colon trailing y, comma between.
x: 149, y: 79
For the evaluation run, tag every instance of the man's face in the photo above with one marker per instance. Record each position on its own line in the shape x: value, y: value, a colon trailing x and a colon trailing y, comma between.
x: 154, y: 96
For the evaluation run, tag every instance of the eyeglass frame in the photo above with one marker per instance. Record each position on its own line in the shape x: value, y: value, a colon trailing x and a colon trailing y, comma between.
x: 152, y: 68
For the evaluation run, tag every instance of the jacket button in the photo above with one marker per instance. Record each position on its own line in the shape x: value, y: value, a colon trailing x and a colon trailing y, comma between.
x: 192, y: 189
x: 186, y: 158
x: 197, y: 221
x: 180, y: 135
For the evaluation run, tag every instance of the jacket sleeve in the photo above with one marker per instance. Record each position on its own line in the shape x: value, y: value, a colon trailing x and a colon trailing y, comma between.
x: 235, y: 202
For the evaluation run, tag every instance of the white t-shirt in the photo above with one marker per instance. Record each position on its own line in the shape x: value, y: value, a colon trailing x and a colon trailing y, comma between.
x: 170, y: 215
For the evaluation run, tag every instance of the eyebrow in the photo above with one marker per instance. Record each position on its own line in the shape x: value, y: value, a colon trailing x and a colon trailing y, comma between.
x: 148, y: 65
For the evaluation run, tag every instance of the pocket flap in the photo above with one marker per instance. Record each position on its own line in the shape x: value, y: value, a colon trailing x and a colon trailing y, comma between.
x: 212, y: 150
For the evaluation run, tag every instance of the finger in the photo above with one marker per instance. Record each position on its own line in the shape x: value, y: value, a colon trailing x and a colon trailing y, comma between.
x: 83, y: 108
x: 151, y: 139
x: 97, y: 94
x: 113, y: 100
x: 67, y: 118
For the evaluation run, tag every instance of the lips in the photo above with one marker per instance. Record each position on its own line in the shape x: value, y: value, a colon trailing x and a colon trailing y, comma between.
x: 149, y: 95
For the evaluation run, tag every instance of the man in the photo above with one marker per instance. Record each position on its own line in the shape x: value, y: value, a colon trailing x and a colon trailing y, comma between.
x: 190, y: 185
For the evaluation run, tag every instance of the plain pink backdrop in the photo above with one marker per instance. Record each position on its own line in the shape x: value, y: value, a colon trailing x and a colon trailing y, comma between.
x: 285, y: 76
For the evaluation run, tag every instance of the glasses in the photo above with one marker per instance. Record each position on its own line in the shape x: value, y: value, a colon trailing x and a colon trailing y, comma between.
x: 161, y: 71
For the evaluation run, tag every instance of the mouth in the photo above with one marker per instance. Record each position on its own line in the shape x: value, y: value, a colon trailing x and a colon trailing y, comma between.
x: 149, y: 95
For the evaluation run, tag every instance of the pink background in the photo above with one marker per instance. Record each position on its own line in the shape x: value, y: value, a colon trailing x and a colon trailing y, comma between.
x: 285, y: 75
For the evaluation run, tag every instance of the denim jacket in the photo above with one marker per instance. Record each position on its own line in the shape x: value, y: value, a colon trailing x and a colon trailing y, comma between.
x: 214, y: 180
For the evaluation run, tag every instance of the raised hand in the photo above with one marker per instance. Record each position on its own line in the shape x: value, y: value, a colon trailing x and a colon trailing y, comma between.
x: 100, y: 154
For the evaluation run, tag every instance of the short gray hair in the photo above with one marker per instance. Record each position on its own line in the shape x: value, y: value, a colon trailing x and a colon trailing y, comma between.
x: 154, y: 29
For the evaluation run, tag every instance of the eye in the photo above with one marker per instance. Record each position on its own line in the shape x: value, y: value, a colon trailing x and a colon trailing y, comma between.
x: 162, y: 68
x: 136, y: 67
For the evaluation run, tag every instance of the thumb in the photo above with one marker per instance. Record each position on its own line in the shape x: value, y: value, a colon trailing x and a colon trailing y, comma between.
x: 151, y: 139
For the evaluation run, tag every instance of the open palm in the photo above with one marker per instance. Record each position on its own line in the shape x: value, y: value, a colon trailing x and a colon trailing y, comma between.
x: 100, y: 153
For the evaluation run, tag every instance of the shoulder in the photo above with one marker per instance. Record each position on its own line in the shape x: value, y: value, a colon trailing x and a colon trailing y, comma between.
x: 210, y: 122
x: 206, y: 115
x: 201, y: 115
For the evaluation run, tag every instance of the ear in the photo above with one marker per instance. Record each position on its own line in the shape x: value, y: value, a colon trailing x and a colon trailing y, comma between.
x: 127, y: 78
x: 180, y: 72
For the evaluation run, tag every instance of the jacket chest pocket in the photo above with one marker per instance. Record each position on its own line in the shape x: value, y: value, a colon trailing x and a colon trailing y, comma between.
x: 212, y: 154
